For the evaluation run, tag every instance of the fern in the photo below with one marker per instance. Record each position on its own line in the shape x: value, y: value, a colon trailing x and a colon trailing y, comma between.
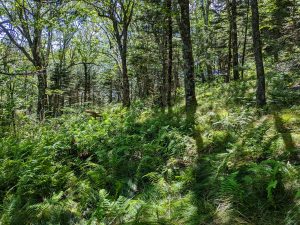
x: 230, y: 187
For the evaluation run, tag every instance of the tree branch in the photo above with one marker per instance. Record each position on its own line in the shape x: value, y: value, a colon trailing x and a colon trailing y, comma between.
x: 11, y: 38
x: 32, y: 73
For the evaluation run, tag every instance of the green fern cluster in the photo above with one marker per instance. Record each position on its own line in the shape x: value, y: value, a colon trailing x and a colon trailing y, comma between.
x: 143, y: 166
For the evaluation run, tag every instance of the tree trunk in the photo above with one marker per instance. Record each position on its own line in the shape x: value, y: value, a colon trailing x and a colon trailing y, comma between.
x: 162, y: 43
x: 163, y: 83
x: 235, y: 62
x: 110, y: 96
x: 87, y: 85
x: 176, y: 83
x: 245, y: 38
x: 187, y: 50
x: 125, y: 81
x: 120, y: 13
x: 260, y: 91
x: 170, y: 52
x: 42, y: 96
x: 205, y: 13
x: 227, y: 77
x: 54, y: 98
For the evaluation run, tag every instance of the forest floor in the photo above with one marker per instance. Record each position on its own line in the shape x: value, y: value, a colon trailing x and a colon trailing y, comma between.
x: 238, y: 165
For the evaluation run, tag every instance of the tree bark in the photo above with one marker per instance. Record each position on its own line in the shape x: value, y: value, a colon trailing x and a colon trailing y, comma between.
x: 235, y: 61
x: 227, y: 77
x: 170, y: 52
x: 205, y: 14
x: 42, y: 87
x: 260, y: 90
x: 87, y: 84
x: 122, y: 45
x: 161, y: 38
x: 125, y: 80
x: 176, y: 83
x: 187, y: 50
x: 245, y: 38
x: 164, y: 74
x: 110, y: 96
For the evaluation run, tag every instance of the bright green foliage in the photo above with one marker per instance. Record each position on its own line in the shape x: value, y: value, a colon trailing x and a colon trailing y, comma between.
x: 143, y: 166
x: 91, y: 161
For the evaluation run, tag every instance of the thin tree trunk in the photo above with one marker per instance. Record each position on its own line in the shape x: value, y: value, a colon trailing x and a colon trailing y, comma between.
x: 161, y: 40
x: 110, y: 97
x: 42, y: 96
x: 120, y: 14
x: 187, y: 50
x: 125, y: 80
x: 205, y: 12
x: 245, y: 38
x: 176, y: 75
x: 227, y: 77
x: 260, y: 91
x: 11, y: 99
x: 170, y: 52
x: 163, y: 82
x: 235, y: 62
x: 87, y: 86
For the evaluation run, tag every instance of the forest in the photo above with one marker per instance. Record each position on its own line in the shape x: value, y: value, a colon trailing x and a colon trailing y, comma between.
x: 150, y: 112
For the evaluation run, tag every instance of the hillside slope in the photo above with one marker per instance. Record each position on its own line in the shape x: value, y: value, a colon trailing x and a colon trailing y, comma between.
x: 237, y: 165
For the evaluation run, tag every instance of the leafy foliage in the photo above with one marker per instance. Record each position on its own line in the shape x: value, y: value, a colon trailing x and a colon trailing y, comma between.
x: 142, y: 166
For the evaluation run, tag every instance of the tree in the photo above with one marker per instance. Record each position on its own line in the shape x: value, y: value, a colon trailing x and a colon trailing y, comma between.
x: 205, y: 13
x: 60, y: 78
x: 88, y: 54
x: 229, y: 15
x: 187, y: 51
x: 120, y: 13
x: 279, y: 12
x: 170, y: 51
x: 245, y: 37
x: 260, y: 73
x: 158, y: 22
x: 27, y: 25
x: 160, y: 32
x: 235, y: 62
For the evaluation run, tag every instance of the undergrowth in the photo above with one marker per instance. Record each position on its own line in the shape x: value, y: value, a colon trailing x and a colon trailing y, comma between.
x: 238, y: 165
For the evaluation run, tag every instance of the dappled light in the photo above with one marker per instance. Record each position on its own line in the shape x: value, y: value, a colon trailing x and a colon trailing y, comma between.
x: 150, y: 112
